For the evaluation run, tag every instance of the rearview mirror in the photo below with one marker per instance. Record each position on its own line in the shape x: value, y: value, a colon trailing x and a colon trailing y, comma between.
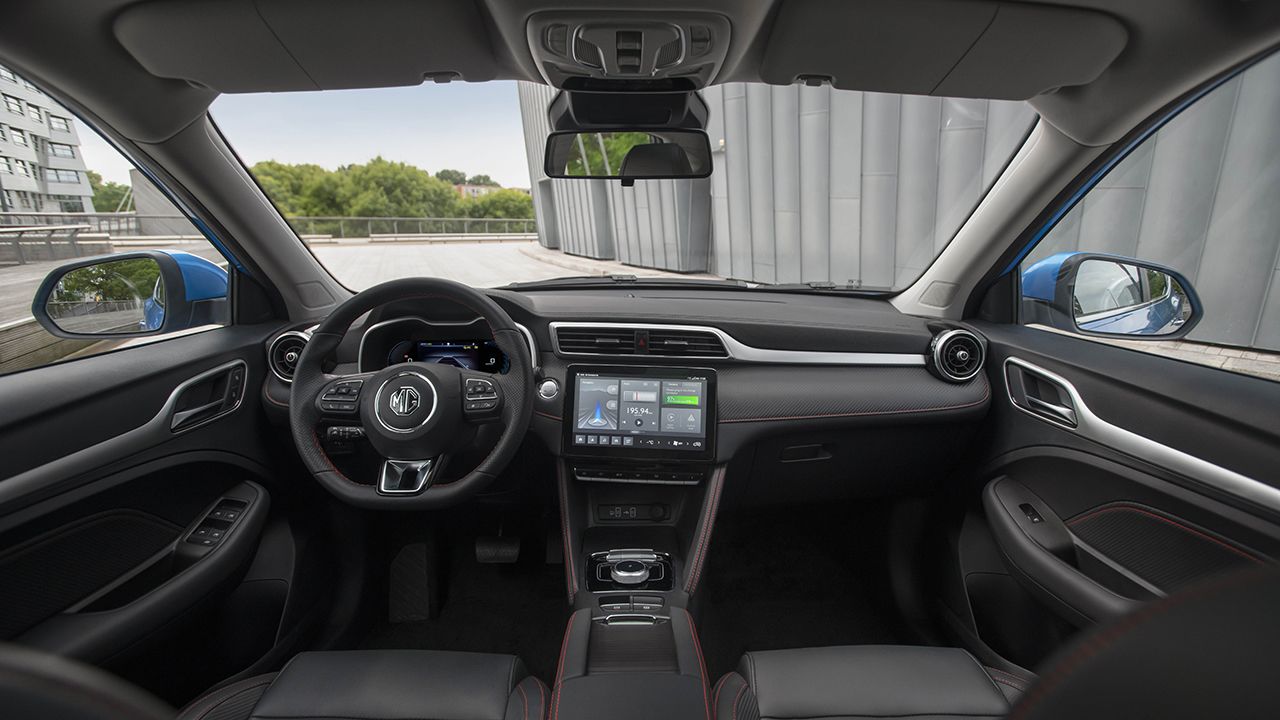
x: 628, y: 155
x: 1093, y: 294
x: 131, y: 295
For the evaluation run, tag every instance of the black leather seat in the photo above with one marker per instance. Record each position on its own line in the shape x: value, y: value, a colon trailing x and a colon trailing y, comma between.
x: 382, y: 684
x: 1212, y: 650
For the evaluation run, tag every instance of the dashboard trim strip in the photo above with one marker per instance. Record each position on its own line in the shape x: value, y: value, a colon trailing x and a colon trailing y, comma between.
x: 741, y: 351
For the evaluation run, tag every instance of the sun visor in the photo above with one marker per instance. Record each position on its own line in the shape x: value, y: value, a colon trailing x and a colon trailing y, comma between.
x: 954, y: 48
x: 281, y: 45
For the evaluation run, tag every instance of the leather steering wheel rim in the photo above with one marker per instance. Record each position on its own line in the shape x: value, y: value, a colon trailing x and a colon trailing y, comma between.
x: 309, y: 380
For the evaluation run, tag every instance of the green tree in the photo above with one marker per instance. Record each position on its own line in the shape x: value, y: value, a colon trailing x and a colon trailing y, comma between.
x: 482, y: 180
x: 453, y: 177
x: 107, y: 196
x: 382, y: 188
x: 292, y: 187
x: 498, y: 204
x: 131, y: 279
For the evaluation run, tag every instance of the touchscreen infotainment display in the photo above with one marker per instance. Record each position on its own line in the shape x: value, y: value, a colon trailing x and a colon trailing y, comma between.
x: 641, y: 409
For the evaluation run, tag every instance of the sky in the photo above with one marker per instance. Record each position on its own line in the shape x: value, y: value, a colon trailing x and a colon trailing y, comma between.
x: 473, y: 127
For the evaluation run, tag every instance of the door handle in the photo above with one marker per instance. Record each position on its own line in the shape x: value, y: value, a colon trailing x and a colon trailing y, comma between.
x: 207, y: 396
x: 1040, y: 395
x: 1062, y: 412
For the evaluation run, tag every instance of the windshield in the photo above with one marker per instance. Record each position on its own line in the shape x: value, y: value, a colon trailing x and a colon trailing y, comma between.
x: 810, y: 186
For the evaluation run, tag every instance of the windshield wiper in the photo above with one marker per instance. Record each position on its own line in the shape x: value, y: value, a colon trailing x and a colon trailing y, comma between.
x: 621, y: 279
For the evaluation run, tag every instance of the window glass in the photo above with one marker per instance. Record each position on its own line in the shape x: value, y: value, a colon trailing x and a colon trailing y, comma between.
x: 810, y: 186
x: 74, y: 198
x: 1200, y: 197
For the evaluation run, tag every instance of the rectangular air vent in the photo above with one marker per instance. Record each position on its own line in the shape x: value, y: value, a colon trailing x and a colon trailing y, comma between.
x: 596, y: 341
x: 664, y: 342
x: 686, y: 343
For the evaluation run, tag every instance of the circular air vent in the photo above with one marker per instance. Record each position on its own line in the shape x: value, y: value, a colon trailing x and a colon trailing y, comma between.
x: 284, y: 353
x: 957, y: 355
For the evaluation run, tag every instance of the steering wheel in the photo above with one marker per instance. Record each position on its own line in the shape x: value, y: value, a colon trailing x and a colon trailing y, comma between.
x: 416, y: 415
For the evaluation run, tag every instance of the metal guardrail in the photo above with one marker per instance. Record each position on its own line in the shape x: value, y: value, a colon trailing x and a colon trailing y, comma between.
x: 130, y: 224
x: 45, y: 236
x: 348, y: 227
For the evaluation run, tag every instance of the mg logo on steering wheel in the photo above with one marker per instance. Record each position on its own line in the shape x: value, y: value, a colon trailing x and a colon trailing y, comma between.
x: 404, y: 400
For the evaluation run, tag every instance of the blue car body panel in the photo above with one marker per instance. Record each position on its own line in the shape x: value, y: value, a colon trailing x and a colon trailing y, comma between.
x: 203, y: 280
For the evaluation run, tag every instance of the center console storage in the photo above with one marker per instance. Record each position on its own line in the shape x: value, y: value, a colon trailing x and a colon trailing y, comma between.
x: 638, y: 490
x: 631, y: 667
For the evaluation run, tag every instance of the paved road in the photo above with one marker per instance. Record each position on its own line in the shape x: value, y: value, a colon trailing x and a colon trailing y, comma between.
x: 478, y: 264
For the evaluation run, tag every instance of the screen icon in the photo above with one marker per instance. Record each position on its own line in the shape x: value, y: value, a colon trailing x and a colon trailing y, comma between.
x: 579, y: 439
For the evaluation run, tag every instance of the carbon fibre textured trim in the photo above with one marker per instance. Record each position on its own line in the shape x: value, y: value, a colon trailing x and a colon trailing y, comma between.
x: 49, y: 573
x: 801, y: 393
x: 1167, y: 552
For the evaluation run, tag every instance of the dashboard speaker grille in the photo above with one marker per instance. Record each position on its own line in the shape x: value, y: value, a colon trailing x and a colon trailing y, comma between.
x: 957, y: 355
x: 284, y: 353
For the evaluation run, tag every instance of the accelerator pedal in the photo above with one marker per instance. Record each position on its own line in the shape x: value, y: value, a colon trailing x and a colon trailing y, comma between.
x: 497, y: 549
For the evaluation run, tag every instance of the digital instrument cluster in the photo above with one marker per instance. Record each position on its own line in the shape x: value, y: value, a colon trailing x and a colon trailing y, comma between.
x: 481, y: 355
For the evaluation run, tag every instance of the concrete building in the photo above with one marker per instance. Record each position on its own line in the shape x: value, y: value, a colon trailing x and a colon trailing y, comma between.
x: 815, y: 184
x: 467, y: 190
x: 41, y: 168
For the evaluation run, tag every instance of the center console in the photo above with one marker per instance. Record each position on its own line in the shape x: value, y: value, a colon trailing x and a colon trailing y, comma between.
x: 639, y: 489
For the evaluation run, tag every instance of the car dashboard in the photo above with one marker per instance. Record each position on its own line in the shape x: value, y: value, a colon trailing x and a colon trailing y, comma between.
x: 835, y: 394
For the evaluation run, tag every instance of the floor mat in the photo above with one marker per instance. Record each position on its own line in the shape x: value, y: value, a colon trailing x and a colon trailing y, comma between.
x: 796, y: 577
x: 518, y: 608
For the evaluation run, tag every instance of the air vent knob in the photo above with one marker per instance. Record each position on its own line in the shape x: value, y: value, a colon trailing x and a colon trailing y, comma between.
x: 956, y: 355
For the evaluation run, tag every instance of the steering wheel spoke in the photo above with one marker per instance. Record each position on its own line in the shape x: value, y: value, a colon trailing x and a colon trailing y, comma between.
x: 409, y: 477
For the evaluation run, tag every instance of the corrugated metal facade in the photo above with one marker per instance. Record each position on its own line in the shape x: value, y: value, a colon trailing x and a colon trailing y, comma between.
x: 814, y: 184
x: 1203, y: 197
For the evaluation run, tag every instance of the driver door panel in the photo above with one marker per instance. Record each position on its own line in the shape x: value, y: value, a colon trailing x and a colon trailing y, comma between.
x: 134, y: 497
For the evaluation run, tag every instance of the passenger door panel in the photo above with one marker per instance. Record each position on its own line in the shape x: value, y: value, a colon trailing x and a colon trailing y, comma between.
x: 1114, y: 476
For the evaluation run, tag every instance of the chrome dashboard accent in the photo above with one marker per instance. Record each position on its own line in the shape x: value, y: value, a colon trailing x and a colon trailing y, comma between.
x: 1130, y: 443
x: 528, y: 336
x: 741, y: 351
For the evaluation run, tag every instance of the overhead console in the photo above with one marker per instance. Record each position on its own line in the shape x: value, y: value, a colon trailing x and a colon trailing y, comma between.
x: 627, y: 50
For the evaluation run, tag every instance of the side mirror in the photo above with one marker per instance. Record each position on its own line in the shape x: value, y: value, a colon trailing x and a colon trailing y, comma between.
x: 1111, y: 296
x: 134, y: 294
x: 628, y: 155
